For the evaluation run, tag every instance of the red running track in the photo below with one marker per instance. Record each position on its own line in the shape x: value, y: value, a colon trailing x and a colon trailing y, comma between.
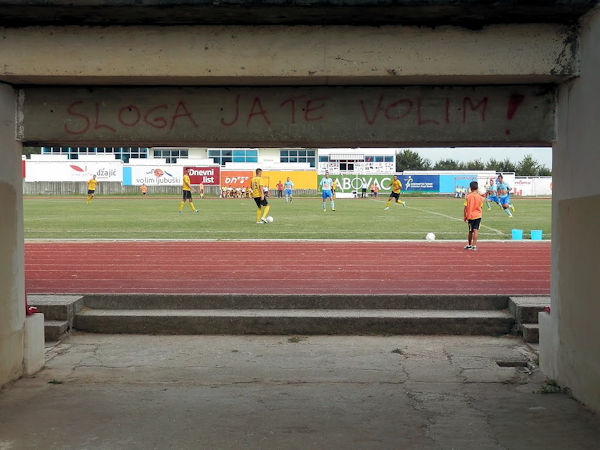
x: 279, y: 267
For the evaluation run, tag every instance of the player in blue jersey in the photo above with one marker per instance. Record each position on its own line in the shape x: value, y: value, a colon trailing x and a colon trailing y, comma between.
x: 325, y: 185
x: 503, y: 190
x: 491, y: 194
x: 288, y: 186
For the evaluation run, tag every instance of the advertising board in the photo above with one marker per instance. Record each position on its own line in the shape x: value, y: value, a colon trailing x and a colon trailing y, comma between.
x: 209, y: 176
x: 420, y: 183
x: 73, y: 170
x: 350, y: 182
x: 236, y: 178
x: 152, y: 175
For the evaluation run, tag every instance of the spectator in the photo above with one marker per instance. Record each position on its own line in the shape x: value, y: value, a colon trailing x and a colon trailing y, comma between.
x: 365, y: 185
x: 375, y: 189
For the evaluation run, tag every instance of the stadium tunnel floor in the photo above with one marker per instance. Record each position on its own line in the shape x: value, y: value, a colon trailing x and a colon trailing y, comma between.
x: 292, y: 392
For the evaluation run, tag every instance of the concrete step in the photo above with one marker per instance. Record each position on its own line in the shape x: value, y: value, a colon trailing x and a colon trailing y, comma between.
x: 55, y: 329
x: 526, y: 309
x: 59, y: 313
x: 531, y: 333
x: 241, y: 301
x: 57, y: 307
x: 295, y: 321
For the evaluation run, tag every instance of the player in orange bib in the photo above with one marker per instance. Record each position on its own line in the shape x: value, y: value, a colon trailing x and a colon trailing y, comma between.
x: 472, y: 214
x: 144, y: 190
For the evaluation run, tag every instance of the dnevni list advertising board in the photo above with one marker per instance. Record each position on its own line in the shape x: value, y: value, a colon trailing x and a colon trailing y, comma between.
x: 208, y: 176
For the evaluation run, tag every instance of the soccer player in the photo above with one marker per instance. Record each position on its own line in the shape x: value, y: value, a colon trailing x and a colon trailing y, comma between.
x: 503, y: 190
x: 201, y: 190
x: 280, y: 189
x: 334, y: 186
x: 144, y: 190
x: 258, y: 194
x: 396, y: 187
x: 472, y: 215
x: 491, y: 194
x: 325, y: 185
x: 187, y: 192
x: 288, y: 186
x: 92, y: 183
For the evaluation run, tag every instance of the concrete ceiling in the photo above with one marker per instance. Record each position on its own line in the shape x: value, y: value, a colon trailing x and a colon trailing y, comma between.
x: 466, y: 13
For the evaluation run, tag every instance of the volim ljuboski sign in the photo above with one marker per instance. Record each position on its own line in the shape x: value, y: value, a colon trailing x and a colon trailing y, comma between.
x: 208, y: 176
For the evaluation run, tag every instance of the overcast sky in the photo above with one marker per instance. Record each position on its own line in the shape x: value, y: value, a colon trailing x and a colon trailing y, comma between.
x: 542, y: 155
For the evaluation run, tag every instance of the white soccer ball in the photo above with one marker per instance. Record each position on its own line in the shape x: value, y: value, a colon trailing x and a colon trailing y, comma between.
x: 430, y: 237
x: 269, y: 219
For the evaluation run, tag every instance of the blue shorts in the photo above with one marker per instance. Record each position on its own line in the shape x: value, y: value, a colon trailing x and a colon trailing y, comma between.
x: 493, y: 198
x: 504, y: 201
x: 288, y: 192
x: 326, y: 194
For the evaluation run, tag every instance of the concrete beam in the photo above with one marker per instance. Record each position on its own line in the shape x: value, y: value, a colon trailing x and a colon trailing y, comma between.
x: 279, y: 55
x: 303, y: 116
x: 472, y: 13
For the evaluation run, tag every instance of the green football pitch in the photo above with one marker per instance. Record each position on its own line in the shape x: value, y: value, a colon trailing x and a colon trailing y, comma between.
x: 158, y: 218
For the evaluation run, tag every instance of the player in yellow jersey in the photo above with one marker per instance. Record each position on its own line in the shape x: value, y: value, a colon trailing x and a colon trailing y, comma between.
x: 91, y: 184
x: 258, y: 194
x: 396, y: 187
x: 334, y: 186
x: 187, y: 192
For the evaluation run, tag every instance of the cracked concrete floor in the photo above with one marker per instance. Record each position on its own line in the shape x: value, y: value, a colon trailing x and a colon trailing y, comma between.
x: 282, y: 392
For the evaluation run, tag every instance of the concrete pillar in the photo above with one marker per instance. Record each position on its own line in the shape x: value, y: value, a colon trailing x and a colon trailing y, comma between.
x: 12, y: 258
x: 570, y: 336
x: 33, y: 345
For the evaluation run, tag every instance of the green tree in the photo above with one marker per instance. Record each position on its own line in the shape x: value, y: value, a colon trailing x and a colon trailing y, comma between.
x: 31, y: 150
x: 476, y: 164
x: 447, y: 164
x: 543, y: 171
x: 493, y: 164
x: 409, y: 160
x: 506, y: 166
x: 527, y: 167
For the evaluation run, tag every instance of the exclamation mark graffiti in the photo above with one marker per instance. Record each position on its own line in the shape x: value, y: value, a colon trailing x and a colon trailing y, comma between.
x: 514, y: 102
